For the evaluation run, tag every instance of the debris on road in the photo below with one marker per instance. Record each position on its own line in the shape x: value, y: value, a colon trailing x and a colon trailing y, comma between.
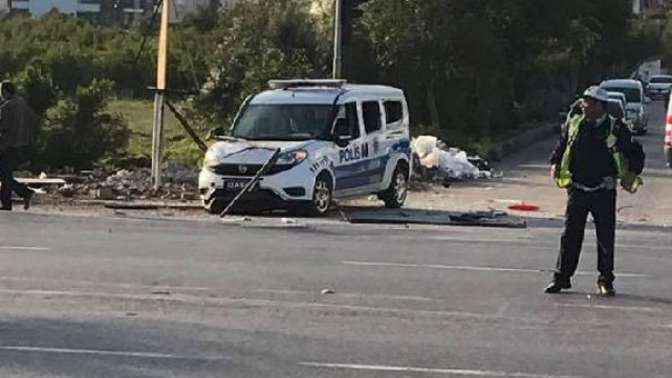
x: 524, y: 207
x: 436, y: 217
x: 41, y: 181
x: 328, y: 291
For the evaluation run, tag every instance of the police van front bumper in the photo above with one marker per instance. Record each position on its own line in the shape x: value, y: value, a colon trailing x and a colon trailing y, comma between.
x: 277, y: 188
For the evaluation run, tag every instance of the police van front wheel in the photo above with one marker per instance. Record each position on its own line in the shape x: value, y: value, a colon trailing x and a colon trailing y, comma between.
x: 214, y: 206
x: 322, y: 196
x: 395, y: 195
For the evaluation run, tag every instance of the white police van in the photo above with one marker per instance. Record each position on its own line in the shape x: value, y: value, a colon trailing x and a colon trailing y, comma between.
x: 336, y: 139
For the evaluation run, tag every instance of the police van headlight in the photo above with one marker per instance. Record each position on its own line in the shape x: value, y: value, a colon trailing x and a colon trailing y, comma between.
x: 293, y: 157
x: 212, y: 158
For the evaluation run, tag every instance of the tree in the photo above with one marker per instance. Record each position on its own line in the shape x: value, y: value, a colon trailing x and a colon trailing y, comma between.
x: 78, y: 132
x: 260, y: 40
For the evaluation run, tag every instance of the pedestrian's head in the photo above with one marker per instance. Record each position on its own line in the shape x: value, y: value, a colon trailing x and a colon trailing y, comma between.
x: 595, y: 100
x: 7, y: 89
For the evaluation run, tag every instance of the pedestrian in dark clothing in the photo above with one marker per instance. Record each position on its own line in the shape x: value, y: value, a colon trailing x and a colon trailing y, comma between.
x: 589, y: 160
x: 17, y: 127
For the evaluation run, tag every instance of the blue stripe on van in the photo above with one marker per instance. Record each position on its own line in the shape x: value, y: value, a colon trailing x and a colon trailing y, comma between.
x: 359, y: 174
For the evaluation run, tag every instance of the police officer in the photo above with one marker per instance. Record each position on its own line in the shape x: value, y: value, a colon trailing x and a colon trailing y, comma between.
x: 589, y: 160
x: 17, y: 125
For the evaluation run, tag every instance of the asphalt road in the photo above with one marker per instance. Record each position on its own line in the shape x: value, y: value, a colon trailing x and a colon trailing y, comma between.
x: 105, y: 297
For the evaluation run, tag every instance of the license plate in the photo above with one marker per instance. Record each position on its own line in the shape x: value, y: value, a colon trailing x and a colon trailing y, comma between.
x: 234, y: 185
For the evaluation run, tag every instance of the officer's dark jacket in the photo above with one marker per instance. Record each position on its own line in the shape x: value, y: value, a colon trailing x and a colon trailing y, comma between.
x: 592, y: 159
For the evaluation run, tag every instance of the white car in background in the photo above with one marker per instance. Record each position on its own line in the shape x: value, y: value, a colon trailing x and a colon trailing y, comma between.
x: 659, y: 86
x: 615, y: 109
x: 618, y: 96
x: 635, y: 111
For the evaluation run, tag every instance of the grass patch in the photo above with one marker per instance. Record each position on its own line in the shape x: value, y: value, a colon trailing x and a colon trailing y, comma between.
x: 139, y: 114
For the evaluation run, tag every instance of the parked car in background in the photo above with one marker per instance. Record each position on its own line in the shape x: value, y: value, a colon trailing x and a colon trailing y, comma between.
x: 634, y: 95
x: 667, y: 143
x: 615, y: 109
x: 618, y: 96
x: 659, y: 87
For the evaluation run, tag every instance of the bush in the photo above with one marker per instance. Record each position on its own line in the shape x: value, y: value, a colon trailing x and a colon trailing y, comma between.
x: 37, y: 88
x: 78, y: 132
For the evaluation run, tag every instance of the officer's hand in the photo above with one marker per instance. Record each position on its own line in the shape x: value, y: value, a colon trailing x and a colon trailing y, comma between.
x: 555, y: 172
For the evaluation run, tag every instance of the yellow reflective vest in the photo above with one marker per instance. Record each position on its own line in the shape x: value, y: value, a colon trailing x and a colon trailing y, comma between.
x: 629, y: 181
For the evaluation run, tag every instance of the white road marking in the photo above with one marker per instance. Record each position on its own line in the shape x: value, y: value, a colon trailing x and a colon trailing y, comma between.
x: 349, y: 295
x: 107, y: 284
x: 618, y: 308
x: 18, y: 248
x: 410, y: 369
x: 471, y: 268
x: 533, y: 243
x: 109, y: 353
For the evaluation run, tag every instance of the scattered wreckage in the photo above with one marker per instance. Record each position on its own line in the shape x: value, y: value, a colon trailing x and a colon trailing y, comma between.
x: 434, y: 161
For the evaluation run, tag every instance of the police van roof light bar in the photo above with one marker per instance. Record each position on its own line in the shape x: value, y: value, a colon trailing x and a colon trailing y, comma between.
x: 306, y: 83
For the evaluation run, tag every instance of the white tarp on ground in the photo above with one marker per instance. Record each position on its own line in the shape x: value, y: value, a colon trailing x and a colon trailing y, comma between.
x: 450, y: 162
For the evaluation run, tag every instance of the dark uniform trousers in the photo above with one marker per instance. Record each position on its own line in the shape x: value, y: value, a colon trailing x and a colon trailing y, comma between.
x: 9, y: 159
x: 602, y: 205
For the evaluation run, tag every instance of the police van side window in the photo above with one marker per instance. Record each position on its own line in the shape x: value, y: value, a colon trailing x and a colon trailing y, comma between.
x: 371, y: 111
x: 393, y: 112
x: 348, y: 112
x: 353, y: 119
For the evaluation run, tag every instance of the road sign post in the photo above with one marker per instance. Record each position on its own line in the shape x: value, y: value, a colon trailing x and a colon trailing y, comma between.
x: 338, y: 33
x: 159, y: 96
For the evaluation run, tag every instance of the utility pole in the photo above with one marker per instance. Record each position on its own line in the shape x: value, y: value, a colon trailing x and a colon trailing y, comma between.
x: 159, y: 96
x: 338, y: 35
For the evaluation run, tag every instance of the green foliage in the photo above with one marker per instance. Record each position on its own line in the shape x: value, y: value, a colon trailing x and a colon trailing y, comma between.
x: 78, y: 132
x: 260, y: 40
x: 472, y: 70
x: 37, y: 88
x: 475, y: 69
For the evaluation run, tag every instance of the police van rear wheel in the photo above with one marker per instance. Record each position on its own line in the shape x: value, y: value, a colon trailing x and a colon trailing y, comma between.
x: 395, y: 195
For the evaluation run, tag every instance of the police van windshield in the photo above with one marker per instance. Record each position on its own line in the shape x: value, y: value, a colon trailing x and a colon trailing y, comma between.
x: 631, y: 94
x: 284, y: 122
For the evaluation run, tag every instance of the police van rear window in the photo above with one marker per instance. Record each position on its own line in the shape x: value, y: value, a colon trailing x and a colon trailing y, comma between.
x: 371, y: 112
x: 393, y: 111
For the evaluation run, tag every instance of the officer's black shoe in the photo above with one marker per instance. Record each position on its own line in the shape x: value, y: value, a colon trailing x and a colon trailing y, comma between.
x: 605, y: 289
x: 555, y: 286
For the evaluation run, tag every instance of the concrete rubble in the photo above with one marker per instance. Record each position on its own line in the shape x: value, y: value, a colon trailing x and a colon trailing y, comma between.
x: 179, y: 183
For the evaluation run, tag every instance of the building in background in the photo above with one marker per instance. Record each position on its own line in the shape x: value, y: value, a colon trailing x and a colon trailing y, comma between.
x: 639, y: 6
x: 40, y: 7
x: 123, y: 12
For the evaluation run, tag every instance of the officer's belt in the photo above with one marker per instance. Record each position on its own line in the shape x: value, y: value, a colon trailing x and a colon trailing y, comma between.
x: 608, y: 183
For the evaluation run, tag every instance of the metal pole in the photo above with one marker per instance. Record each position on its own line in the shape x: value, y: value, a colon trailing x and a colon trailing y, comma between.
x: 157, y: 137
x: 159, y: 97
x: 338, y: 37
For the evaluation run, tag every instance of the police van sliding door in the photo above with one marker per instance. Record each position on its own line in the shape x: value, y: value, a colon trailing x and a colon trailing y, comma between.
x: 348, y: 169
x: 377, y: 155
